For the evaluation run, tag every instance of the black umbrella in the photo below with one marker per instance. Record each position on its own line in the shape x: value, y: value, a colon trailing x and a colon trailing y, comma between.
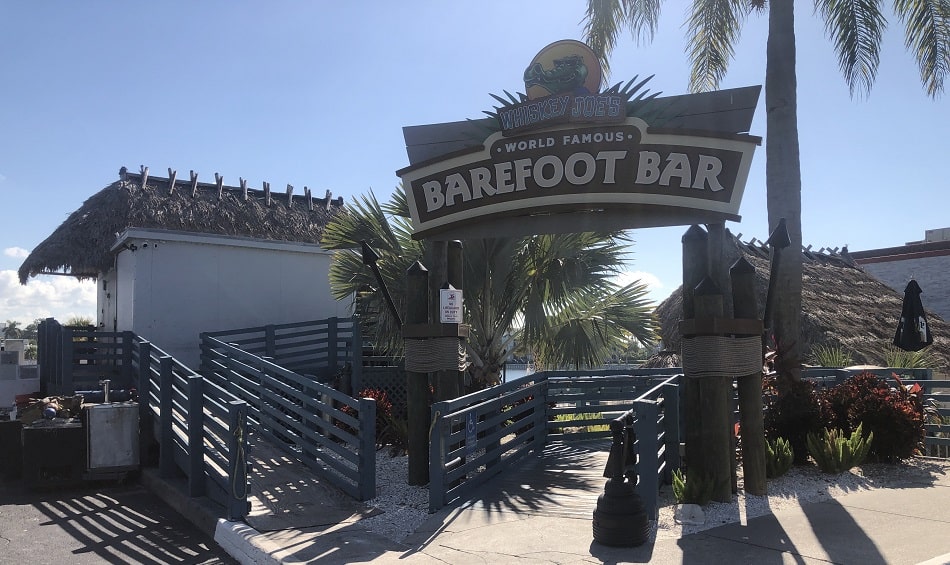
x: 913, y: 333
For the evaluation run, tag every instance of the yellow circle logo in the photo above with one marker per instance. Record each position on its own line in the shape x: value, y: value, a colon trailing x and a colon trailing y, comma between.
x: 565, y: 66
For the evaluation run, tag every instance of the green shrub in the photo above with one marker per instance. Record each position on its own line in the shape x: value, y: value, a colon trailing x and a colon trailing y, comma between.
x: 778, y: 457
x: 694, y: 490
x: 792, y: 411
x: 831, y: 356
x: 835, y: 453
x: 898, y: 358
x: 895, y: 415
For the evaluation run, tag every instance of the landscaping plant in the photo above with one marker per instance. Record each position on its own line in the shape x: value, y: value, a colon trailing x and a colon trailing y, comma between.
x: 831, y: 356
x: 692, y: 490
x: 894, y: 414
x: 778, y: 457
x: 792, y: 411
x: 835, y: 453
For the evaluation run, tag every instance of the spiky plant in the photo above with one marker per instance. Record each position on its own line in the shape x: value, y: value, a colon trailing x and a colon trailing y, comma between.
x: 834, y: 453
x: 778, y: 457
x: 696, y: 489
x: 831, y: 356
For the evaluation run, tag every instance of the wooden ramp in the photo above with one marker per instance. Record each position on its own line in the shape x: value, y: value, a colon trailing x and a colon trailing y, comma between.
x: 565, y: 480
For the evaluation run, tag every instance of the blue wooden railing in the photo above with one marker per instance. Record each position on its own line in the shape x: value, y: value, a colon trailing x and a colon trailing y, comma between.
x: 330, y: 432
x: 201, y: 428
x: 477, y: 436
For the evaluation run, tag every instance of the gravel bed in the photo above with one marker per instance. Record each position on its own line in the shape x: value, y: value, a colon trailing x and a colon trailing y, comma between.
x: 406, y: 507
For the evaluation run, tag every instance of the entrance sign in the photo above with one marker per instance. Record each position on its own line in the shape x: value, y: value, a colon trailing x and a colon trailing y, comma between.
x: 568, y: 158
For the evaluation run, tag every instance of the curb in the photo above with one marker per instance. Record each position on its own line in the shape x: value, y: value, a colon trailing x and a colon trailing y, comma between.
x: 234, y: 538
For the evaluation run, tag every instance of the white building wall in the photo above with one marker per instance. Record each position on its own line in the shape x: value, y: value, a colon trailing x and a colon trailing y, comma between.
x: 183, y: 284
x: 931, y: 273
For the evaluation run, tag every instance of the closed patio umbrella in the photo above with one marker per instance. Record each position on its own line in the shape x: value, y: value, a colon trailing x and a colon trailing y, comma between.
x: 913, y: 333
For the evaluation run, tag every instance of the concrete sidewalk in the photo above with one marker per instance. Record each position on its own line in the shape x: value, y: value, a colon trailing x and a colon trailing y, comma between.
x: 908, y: 524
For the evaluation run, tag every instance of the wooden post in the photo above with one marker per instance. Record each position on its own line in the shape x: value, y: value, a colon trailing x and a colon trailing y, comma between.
x: 445, y: 381
x: 417, y: 386
x: 751, y: 420
x: 270, y: 341
x: 367, y: 453
x: 671, y: 430
x: 695, y: 268
x: 714, y: 406
x: 166, y: 456
x: 716, y: 250
x: 146, y: 430
x: 237, y: 506
x: 455, y: 380
x: 647, y: 463
x: 66, y: 378
x: 196, y: 427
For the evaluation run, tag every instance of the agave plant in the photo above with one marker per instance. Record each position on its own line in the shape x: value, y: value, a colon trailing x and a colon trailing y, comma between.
x: 835, y: 453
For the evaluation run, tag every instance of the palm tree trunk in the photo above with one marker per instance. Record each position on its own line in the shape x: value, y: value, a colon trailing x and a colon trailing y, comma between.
x: 784, y: 182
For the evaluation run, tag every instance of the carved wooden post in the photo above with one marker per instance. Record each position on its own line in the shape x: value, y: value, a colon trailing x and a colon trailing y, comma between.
x: 751, y: 418
x: 417, y: 385
x: 695, y: 266
x: 454, y: 275
x: 714, y: 392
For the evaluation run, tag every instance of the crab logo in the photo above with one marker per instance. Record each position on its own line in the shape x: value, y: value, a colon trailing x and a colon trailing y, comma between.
x: 563, y: 67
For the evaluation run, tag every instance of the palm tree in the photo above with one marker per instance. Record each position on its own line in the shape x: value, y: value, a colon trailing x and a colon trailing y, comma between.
x: 12, y: 330
x: 552, y: 294
x: 856, y: 28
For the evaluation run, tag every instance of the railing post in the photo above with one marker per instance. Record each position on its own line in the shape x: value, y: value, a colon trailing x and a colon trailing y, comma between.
x: 146, y: 431
x: 356, y: 358
x: 127, y: 374
x: 671, y: 422
x: 645, y: 428
x: 237, y: 506
x: 166, y: 460
x: 196, y: 427
x: 65, y: 381
x: 437, y: 441
x: 270, y: 341
x: 332, y: 344
x: 367, y: 454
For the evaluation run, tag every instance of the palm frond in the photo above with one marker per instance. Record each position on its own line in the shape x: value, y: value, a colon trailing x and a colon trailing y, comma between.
x: 856, y: 28
x: 713, y: 31
x: 927, y: 37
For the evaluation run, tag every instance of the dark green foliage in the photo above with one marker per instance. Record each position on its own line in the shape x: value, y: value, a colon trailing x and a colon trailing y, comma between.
x: 778, y: 457
x: 390, y: 430
x: 894, y: 414
x: 835, y: 453
x: 792, y: 411
x: 694, y: 490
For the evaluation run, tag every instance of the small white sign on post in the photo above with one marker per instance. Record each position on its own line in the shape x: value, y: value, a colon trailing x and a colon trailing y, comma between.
x: 450, y: 306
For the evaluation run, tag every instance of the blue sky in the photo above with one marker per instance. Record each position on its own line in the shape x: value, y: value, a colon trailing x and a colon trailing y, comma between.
x: 316, y: 93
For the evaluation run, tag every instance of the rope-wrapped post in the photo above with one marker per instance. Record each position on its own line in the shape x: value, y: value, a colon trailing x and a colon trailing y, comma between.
x: 713, y: 357
x: 751, y: 412
x: 715, y: 351
x: 417, y: 382
x: 695, y: 267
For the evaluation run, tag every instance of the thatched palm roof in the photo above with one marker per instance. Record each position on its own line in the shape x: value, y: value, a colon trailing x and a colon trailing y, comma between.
x: 80, y: 247
x: 842, y: 306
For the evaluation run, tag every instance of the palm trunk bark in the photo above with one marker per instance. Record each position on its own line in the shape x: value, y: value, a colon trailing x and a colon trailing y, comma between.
x: 783, y: 181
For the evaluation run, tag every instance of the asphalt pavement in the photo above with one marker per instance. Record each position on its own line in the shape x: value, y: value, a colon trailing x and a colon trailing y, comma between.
x: 98, y: 522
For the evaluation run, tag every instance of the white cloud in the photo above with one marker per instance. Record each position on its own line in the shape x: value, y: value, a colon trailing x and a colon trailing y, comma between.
x: 16, y: 252
x: 45, y: 297
x: 657, y: 291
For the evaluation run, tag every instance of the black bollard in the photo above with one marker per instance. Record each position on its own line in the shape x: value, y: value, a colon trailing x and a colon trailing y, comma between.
x: 620, y: 519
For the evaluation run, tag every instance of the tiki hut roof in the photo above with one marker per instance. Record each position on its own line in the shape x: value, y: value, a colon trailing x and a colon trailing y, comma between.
x: 842, y: 306
x: 80, y: 247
